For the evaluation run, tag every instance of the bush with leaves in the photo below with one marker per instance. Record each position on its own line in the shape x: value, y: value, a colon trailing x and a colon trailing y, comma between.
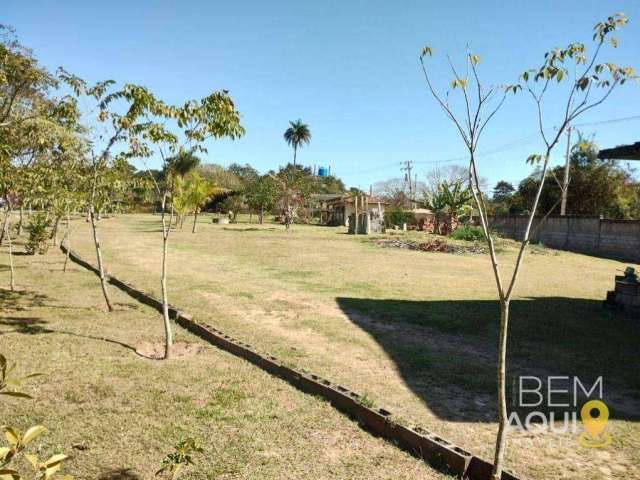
x: 398, y: 216
x: 181, y: 457
x: 18, y: 441
x: 38, y: 230
x: 468, y: 233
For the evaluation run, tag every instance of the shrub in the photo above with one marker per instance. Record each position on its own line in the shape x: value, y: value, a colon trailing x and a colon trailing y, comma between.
x: 468, y: 233
x: 397, y: 216
x: 37, y: 228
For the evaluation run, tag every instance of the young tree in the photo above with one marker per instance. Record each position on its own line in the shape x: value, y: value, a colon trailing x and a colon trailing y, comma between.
x: 198, y: 191
x: 480, y: 104
x: 211, y: 117
x: 262, y: 193
x: 129, y: 131
x: 35, y: 129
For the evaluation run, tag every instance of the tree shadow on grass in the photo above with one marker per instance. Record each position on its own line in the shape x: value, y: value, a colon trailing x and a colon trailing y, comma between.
x: 25, y: 325
x: 119, y: 474
x: 35, y: 326
x: 249, y: 229
x: 7, y: 268
x: 446, y: 351
x: 19, y: 300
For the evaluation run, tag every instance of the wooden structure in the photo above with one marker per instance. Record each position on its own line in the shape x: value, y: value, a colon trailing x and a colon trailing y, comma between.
x: 351, y: 210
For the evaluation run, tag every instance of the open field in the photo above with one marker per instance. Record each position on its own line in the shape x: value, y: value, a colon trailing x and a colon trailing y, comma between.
x: 118, y: 414
x: 415, y: 331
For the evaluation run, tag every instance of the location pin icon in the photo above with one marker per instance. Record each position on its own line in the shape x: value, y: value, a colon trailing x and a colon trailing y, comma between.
x: 594, y: 424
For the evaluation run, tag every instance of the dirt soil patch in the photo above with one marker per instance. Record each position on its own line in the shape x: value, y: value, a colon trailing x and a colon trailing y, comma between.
x: 436, y: 245
x: 156, y: 350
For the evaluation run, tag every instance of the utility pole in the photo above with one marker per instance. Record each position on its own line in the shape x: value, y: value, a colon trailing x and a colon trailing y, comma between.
x: 408, y: 165
x: 565, y: 182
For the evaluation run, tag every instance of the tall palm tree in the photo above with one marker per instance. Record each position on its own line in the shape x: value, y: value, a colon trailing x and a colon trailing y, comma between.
x: 297, y: 135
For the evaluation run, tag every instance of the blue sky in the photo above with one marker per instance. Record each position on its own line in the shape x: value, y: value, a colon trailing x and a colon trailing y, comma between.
x: 347, y: 68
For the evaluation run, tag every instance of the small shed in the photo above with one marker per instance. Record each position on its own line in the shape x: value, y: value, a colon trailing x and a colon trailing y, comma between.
x: 368, y: 209
x: 425, y: 218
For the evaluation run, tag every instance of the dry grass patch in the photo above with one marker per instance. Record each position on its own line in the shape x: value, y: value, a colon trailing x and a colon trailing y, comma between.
x: 414, y: 330
x: 118, y: 414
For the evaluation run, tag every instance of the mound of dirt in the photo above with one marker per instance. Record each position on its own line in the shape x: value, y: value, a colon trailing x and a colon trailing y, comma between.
x: 435, y: 245
x: 155, y: 351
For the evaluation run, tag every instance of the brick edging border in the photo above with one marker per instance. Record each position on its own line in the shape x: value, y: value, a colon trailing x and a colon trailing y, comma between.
x: 420, y: 443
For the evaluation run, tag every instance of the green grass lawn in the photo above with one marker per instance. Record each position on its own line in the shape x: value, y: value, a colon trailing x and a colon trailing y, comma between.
x: 118, y: 414
x: 415, y: 331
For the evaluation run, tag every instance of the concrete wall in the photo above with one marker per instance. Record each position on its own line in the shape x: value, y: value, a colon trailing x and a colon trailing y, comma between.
x: 619, y: 239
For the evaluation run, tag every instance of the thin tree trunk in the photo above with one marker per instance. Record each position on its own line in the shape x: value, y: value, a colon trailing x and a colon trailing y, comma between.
x: 195, y: 221
x: 67, y: 241
x: 103, y: 280
x: 88, y: 217
x: 503, y: 419
x: 54, y: 232
x: 21, y: 219
x: 261, y: 215
x: 4, y: 226
x: 505, y: 298
x: 96, y: 241
x: 163, y: 282
x: 12, y: 282
x: 170, y: 218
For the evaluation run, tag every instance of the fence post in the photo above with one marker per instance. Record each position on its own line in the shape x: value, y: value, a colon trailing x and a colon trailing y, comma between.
x: 599, y: 233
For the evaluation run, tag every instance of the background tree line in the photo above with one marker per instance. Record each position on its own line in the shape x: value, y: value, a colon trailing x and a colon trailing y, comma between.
x: 597, y: 187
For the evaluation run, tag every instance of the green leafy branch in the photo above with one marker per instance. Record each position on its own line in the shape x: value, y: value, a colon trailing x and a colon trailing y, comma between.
x: 18, y: 441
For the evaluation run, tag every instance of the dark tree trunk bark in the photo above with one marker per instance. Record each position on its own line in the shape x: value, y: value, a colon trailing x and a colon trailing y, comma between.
x: 67, y: 241
x: 54, y: 232
x: 195, y: 221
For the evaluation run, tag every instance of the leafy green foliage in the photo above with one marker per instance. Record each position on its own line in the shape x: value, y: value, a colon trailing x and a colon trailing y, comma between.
x: 181, y: 457
x: 502, y: 191
x: 396, y: 216
x: 450, y: 197
x: 38, y: 230
x: 604, y: 75
x: 9, y: 383
x: 468, y: 232
x: 596, y: 187
x: 298, y: 134
x: 262, y: 194
x: 18, y: 441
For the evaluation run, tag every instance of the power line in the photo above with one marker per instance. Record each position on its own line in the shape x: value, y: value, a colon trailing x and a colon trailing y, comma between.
x: 520, y: 142
x: 603, y: 122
